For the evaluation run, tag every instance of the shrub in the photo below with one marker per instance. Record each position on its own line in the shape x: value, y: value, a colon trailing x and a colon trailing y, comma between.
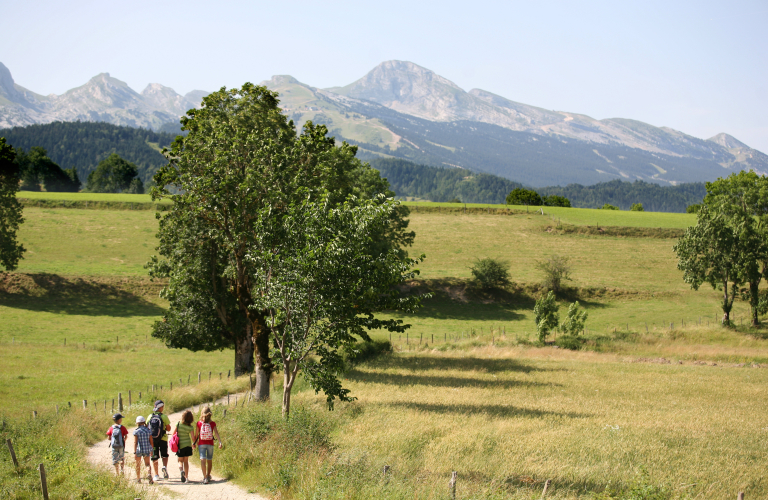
x: 608, y: 206
x: 556, y: 269
x: 693, y: 208
x: 522, y: 196
x: 574, y: 320
x: 491, y: 272
x: 636, y: 207
x: 546, y: 315
x: 555, y: 200
x: 571, y: 342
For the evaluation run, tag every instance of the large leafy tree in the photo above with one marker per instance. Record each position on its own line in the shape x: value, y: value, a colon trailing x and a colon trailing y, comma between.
x: 708, y: 252
x: 742, y: 199
x: 242, y: 156
x: 321, y: 286
x: 11, y: 251
x: 522, y: 196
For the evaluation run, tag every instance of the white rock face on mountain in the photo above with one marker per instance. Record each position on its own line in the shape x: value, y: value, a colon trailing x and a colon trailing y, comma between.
x: 411, y: 89
x: 103, y: 98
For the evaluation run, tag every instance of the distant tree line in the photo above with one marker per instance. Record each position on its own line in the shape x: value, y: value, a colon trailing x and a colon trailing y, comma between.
x: 408, y: 179
x: 83, y: 145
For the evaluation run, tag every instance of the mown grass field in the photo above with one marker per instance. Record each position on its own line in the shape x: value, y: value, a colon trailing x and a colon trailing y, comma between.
x: 506, y: 416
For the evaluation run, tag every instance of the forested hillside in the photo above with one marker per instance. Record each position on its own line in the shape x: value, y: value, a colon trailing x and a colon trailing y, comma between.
x: 442, y: 184
x: 622, y: 194
x: 445, y: 184
x: 84, y: 144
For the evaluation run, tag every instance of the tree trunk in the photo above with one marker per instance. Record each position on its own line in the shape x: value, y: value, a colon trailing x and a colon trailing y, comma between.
x: 726, y: 305
x: 754, y: 301
x: 244, y: 354
x: 264, y: 366
x: 287, y: 394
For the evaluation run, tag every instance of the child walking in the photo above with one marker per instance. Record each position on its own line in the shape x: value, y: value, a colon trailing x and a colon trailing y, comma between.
x: 142, y: 448
x: 206, y: 428
x: 186, y: 434
x: 116, y: 435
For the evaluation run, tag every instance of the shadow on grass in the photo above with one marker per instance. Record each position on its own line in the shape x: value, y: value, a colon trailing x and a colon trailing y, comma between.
x: 62, y: 295
x: 439, y: 381
x: 491, y: 410
x: 423, y: 363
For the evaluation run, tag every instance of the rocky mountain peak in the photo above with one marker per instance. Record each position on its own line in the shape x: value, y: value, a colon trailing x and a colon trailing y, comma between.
x: 7, y: 85
x: 727, y: 141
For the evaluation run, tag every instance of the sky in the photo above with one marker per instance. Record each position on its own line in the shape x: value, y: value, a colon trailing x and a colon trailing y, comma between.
x: 696, y: 66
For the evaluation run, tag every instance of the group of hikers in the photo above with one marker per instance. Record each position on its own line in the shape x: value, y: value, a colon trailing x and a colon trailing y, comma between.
x: 151, y: 441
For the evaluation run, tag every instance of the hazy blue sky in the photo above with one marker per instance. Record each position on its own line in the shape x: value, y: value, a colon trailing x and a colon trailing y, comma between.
x: 700, y: 67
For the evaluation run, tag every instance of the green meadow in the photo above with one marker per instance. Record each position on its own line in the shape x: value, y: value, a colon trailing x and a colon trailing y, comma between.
x: 641, y: 406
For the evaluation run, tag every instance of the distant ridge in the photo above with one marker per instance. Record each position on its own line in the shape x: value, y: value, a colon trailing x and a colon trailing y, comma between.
x: 402, y: 110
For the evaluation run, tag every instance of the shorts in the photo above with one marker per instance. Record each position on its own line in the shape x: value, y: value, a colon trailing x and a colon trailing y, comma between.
x: 206, y: 451
x: 140, y: 453
x: 160, y: 450
x: 184, y: 452
x: 118, y: 455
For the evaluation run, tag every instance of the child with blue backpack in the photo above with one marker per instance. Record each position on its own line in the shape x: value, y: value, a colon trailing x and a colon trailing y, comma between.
x: 116, y: 435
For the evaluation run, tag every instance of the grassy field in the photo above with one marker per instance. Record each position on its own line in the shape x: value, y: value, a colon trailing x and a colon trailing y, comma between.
x: 506, y: 416
x: 42, y: 195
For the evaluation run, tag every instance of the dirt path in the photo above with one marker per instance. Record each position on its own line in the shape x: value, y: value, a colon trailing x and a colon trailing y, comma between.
x: 100, y: 455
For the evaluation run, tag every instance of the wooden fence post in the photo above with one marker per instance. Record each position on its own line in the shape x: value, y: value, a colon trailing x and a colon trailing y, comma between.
x: 198, y: 378
x: 219, y: 375
x: 57, y: 409
x: 85, y: 404
x: 209, y: 376
x: 34, y: 413
x: 224, y: 414
x: 546, y: 487
x: 386, y: 473
x: 129, y: 398
x: 43, y: 481
x: 120, y: 402
x: 229, y: 372
x: 452, y: 485
x: 13, y: 453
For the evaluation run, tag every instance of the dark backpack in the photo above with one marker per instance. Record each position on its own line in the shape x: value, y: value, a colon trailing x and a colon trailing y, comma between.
x: 117, y: 437
x: 156, y: 426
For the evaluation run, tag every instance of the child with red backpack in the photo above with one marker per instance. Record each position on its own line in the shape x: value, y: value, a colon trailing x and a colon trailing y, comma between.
x: 116, y: 435
x: 206, y: 428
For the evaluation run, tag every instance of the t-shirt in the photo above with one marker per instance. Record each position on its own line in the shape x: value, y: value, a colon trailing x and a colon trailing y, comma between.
x: 123, y: 431
x: 206, y: 432
x: 166, y: 421
x: 184, y: 439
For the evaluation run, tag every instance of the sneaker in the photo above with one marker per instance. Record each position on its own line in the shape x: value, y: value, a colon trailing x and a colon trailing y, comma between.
x: 205, y: 481
x: 183, y: 477
x: 156, y: 477
x: 165, y: 473
x: 150, y: 480
x: 210, y: 479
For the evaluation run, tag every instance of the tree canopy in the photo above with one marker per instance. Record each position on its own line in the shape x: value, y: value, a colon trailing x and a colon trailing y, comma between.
x: 36, y: 169
x: 240, y: 162
x: 11, y: 251
x: 115, y: 175
x: 522, y: 196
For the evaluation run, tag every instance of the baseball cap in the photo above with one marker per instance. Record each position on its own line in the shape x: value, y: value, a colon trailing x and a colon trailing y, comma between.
x: 158, y: 404
x: 140, y: 420
x: 116, y: 416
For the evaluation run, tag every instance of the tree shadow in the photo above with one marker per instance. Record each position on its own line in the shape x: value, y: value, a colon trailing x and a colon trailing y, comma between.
x: 490, y: 410
x: 440, y: 381
x: 78, y: 296
x: 487, y: 365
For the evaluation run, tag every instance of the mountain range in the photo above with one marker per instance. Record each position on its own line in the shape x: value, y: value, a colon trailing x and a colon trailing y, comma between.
x: 402, y: 110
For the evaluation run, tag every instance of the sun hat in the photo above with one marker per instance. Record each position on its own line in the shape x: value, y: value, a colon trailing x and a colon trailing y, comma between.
x: 116, y: 416
x: 159, y: 404
x: 140, y: 420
